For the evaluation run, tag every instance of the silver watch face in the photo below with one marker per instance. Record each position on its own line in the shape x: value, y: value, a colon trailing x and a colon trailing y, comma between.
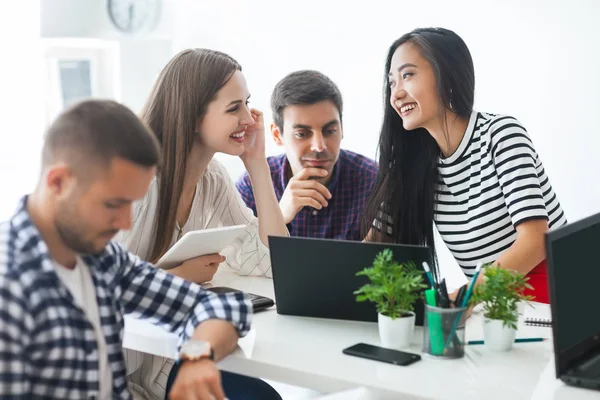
x: 196, y: 348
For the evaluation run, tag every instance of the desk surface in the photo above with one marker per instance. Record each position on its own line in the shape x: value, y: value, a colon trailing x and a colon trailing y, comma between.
x: 550, y: 388
x: 308, y: 352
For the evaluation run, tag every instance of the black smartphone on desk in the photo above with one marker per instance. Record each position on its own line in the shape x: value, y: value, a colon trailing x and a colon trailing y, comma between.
x: 377, y: 353
x: 259, y: 303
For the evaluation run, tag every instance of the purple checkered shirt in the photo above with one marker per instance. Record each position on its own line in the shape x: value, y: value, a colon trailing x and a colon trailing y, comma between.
x: 350, y: 186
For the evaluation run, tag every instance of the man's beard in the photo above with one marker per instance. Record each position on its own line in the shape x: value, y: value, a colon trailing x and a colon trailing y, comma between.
x: 73, y: 231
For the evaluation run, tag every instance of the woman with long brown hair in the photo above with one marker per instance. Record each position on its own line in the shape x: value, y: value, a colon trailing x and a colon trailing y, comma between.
x: 197, y: 108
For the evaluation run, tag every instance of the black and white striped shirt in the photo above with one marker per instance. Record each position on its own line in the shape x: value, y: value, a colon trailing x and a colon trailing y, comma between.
x: 494, y: 181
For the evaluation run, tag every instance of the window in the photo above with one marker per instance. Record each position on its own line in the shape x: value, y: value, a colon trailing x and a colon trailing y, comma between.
x: 75, y: 80
x: 77, y: 69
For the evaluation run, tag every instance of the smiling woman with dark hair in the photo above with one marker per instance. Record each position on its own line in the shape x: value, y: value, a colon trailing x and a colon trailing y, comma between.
x: 475, y: 175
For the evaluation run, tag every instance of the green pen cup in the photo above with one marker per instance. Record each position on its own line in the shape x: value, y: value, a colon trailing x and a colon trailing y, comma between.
x: 438, y: 331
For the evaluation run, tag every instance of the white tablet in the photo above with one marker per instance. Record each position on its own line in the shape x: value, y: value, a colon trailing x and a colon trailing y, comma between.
x: 198, y: 243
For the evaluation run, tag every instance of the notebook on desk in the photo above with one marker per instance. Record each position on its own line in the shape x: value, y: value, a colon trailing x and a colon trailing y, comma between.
x: 537, y: 314
x: 573, y: 275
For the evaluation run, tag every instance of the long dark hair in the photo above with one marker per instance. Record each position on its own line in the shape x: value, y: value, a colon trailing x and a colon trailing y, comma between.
x: 178, y: 101
x: 405, y: 186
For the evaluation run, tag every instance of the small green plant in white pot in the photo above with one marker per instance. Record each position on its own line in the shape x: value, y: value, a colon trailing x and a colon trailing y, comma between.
x: 500, y: 293
x: 394, y: 288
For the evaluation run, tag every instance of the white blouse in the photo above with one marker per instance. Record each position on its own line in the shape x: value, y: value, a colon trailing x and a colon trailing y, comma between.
x: 216, y: 203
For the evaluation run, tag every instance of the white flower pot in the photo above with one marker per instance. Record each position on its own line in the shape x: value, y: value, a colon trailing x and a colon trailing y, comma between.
x: 396, y: 333
x: 496, y: 336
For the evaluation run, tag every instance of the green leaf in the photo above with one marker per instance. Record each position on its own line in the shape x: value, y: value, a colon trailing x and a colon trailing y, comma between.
x: 500, y: 293
x: 394, y: 287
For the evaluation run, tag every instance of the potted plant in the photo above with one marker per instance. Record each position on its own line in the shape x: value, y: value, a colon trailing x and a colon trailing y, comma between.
x: 394, y: 288
x: 500, y: 293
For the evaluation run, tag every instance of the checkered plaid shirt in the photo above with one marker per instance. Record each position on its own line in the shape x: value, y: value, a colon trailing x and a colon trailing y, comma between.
x: 350, y: 186
x: 47, y: 345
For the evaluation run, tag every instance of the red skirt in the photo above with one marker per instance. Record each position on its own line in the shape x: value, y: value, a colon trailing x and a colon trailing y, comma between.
x: 538, y: 279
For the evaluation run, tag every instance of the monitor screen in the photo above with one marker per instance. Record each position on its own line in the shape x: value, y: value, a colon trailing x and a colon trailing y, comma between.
x: 574, y: 262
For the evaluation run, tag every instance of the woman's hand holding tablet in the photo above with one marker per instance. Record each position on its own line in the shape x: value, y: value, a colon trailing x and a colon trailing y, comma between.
x: 194, y: 244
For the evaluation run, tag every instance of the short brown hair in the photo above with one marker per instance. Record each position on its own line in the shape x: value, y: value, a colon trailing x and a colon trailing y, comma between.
x: 91, y: 133
x: 305, y: 87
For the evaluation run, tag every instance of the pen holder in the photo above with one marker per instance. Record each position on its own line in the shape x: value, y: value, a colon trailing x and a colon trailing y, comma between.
x: 444, y: 332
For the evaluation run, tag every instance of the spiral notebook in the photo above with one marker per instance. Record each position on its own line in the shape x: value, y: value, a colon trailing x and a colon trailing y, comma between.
x: 537, y: 314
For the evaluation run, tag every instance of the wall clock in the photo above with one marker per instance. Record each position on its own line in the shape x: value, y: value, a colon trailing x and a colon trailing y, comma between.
x: 132, y: 16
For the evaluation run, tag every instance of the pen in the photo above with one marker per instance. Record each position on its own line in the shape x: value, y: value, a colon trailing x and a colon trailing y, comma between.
x: 520, y: 340
x: 464, y: 303
x: 471, y: 285
x: 428, y: 272
x: 444, y: 299
x: 460, y: 295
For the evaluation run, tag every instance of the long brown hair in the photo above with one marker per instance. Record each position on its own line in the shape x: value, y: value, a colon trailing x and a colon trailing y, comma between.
x: 178, y: 101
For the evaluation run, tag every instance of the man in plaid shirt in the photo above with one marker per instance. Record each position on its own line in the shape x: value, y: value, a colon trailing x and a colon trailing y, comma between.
x: 64, y: 287
x: 321, y: 189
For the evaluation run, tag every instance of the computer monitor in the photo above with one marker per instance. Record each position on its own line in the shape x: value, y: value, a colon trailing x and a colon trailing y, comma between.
x: 573, y: 253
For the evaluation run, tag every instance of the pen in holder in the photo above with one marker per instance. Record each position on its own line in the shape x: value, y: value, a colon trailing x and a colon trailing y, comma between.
x: 441, y: 337
x: 465, y: 301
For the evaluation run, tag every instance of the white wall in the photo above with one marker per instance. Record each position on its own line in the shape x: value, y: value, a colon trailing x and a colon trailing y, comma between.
x: 142, y: 55
x: 537, y: 60
x: 22, y: 112
x: 21, y: 105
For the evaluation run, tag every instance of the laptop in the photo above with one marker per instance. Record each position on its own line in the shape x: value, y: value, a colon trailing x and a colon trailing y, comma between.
x: 317, y: 277
x: 574, y: 277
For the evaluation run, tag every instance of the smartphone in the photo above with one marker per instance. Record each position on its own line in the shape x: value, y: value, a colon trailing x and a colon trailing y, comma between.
x: 377, y: 353
x: 259, y: 303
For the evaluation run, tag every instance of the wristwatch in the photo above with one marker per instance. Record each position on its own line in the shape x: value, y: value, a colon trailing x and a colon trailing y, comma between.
x: 195, y: 350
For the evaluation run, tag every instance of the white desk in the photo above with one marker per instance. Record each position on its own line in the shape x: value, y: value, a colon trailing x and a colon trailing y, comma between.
x: 308, y: 352
x: 550, y: 388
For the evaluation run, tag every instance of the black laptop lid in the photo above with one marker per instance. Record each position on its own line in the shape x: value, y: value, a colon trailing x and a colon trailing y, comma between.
x: 573, y: 253
x: 317, y: 277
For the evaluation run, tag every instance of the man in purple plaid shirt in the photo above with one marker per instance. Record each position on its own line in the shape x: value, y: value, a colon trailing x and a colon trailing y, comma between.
x: 321, y: 189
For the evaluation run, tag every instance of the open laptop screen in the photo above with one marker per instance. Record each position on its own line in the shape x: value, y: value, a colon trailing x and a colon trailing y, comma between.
x: 574, y: 273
